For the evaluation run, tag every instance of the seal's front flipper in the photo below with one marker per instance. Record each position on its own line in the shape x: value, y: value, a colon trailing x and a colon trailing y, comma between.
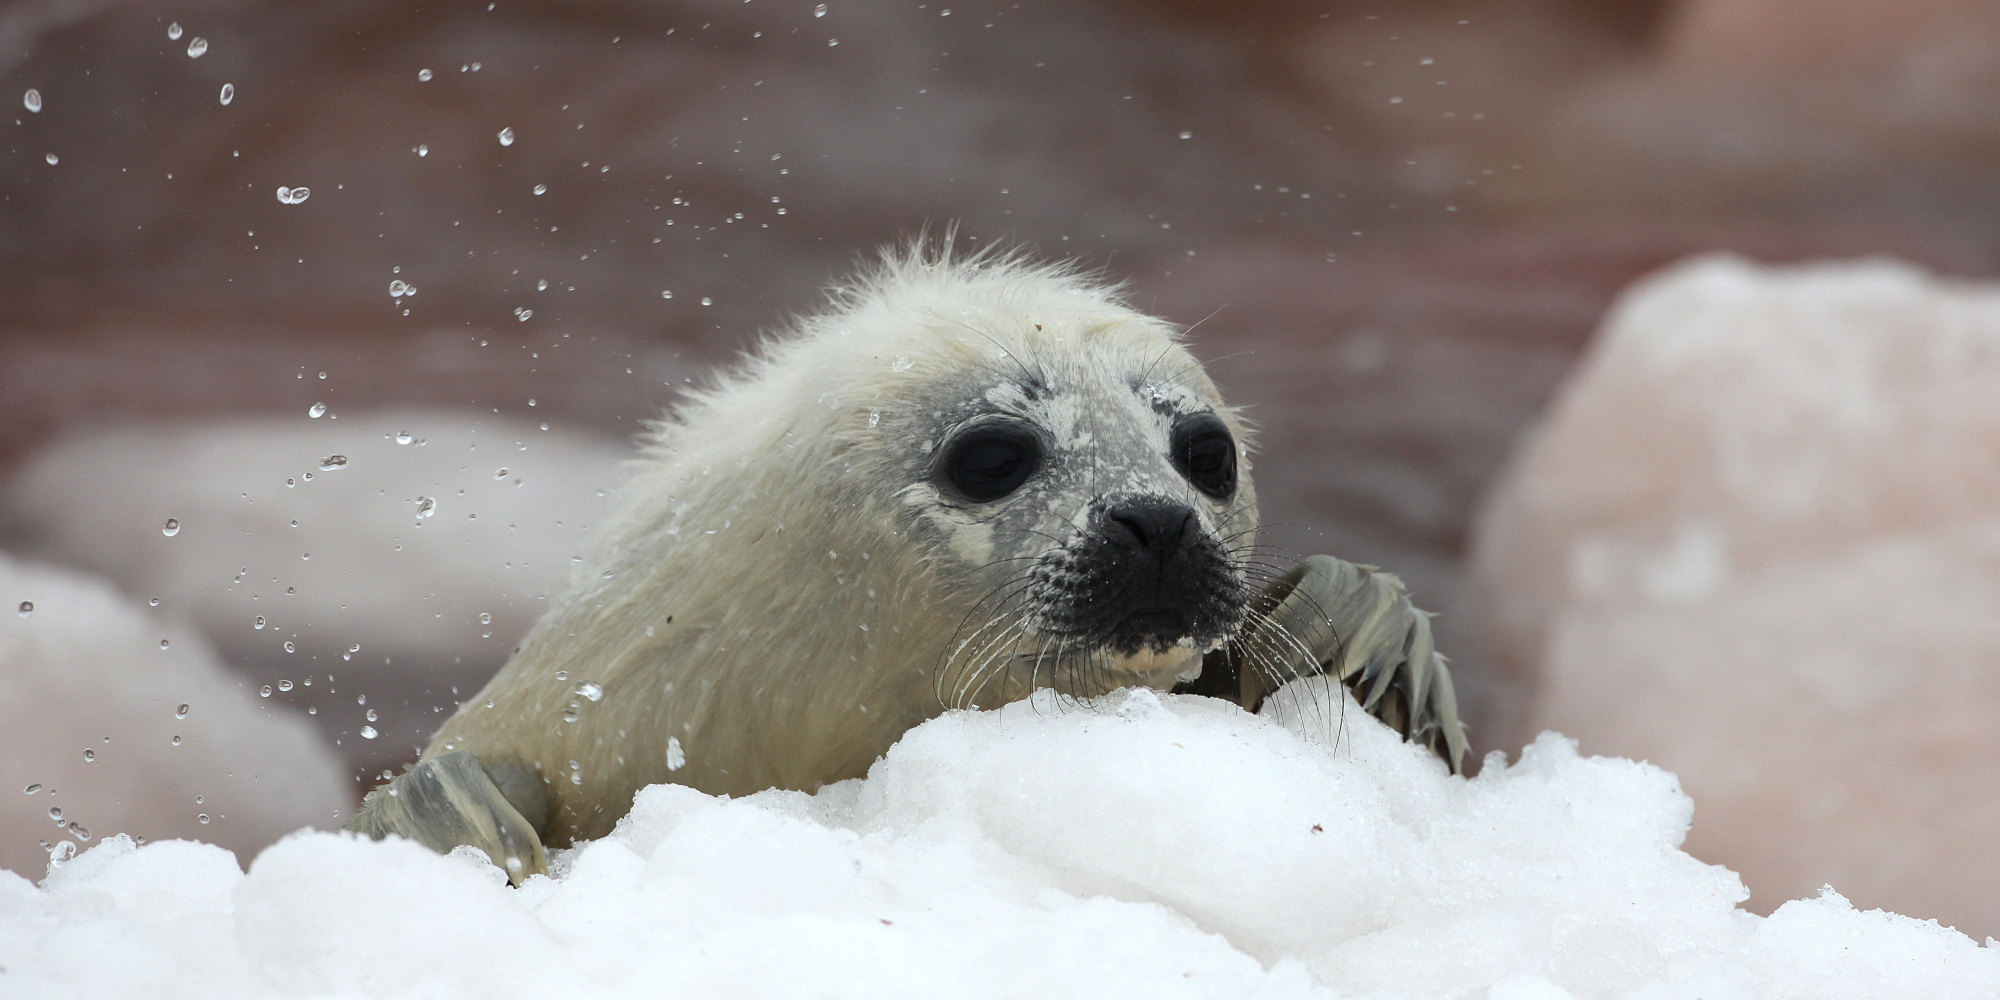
x: 1357, y: 625
x: 452, y: 800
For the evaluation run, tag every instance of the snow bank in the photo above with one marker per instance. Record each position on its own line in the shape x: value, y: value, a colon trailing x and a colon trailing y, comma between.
x: 115, y: 718
x: 1155, y: 846
x: 402, y: 552
x: 1757, y: 542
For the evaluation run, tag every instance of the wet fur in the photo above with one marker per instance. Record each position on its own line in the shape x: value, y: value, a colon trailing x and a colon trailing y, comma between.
x: 784, y: 593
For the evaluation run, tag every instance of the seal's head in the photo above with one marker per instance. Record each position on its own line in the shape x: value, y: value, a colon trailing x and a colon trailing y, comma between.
x: 1072, y: 474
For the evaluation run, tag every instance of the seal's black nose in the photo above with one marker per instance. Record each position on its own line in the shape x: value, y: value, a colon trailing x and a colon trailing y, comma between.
x: 1144, y: 574
x: 1155, y: 526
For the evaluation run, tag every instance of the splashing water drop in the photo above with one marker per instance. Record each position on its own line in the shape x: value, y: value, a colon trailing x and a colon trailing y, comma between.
x: 228, y: 93
x: 316, y: 411
x: 197, y: 47
x: 32, y: 100
x: 506, y: 137
x: 171, y: 528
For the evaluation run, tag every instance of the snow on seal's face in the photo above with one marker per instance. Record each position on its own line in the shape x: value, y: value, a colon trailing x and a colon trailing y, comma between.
x: 1076, y: 478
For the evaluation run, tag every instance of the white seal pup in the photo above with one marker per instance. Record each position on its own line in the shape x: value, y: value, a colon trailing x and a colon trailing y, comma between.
x: 963, y: 481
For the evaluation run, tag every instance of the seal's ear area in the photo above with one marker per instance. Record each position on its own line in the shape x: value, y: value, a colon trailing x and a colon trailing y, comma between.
x: 1356, y: 624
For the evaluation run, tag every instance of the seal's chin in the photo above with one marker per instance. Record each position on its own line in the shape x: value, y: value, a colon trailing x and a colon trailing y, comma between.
x: 1153, y: 668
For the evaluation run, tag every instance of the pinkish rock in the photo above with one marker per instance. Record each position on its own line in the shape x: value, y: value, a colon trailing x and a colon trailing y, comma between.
x: 1757, y: 543
x: 115, y: 718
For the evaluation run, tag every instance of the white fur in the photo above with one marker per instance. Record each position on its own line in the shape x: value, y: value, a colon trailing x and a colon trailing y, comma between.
x: 770, y: 595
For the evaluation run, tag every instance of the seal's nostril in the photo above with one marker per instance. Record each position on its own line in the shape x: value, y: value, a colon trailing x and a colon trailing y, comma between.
x: 1155, y: 525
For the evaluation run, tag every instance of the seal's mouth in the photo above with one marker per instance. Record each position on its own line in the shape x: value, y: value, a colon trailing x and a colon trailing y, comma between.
x: 1155, y: 628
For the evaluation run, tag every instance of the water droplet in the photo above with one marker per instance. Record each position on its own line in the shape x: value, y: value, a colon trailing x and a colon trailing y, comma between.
x: 570, y: 714
x: 541, y: 189
x: 289, y: 648
x: 89, y: 756
x: 53, y: 159
x: 171, y: 528
x: 421, y: 149
x: 676, y: 757
x: 332, y: 462
x: 424, y: 75
x: 486, y: 618
x: 666, y: 293
x: 404, y: 437
x: 506, y: 137
x: 316, y: 411
x: 426, y: 506
x: 901, y: 364
x: 174, y: 31
x: 202, y: 819
x: 228, y: 93
x: 55, y: 813
x: 32, y: 789
x: 293, y: 196
x: 163, y: 643
x: 154, y: 602
x: 1187, y: 135
x: 197, y: 47
x: 590, y: 690
x: 259, y: 623
x: 32, y: 100
x: 177, y: 740
x: 874, y: 419
x: 705, y: 300
x: 369, y: 733
x: 285, y: 684
x: 181, y: 711
x: 562, y: 675
x: 819, y: 10
x: 500, y: 473
x: 27, y: 608
x: 523, y: 314
x: 264, y: 692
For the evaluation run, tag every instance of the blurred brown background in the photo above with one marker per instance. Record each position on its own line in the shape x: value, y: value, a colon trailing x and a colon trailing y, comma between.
x: 1396, y: 223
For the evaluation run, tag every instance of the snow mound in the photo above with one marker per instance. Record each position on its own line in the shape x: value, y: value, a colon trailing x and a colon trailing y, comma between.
x: 177, y: 745
x: 1152, y: 846
x: 1756, y: 542
x: 395, y: 530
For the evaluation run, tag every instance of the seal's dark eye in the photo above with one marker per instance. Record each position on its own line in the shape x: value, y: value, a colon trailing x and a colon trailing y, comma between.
x: 988, y: 463
x: 1206, y: 454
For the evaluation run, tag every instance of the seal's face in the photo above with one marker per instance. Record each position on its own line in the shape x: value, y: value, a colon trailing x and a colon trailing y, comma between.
x: 1089, y: 498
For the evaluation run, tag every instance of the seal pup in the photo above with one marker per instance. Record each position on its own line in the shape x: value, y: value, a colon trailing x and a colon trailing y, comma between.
x: 964, y: 480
